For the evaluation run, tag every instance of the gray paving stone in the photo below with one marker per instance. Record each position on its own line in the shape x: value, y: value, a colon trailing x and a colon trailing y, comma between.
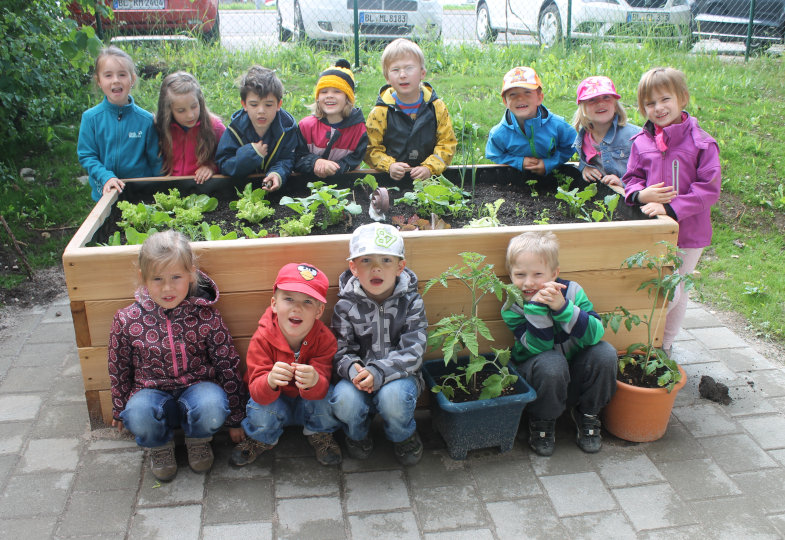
x: 15, y: 407
x: 653, y: 506
x: 737, y: 453
x: 567, y: 458
x: 528, y: 518
x: 676, y: 445
x: 692, y: 352
x: 62, y: 420
x: 599, y: 526
x: 35, y: 494
x: 237, y: 500
x: 748, y: 402
x: 378, y: 490
x: 12, y: 435
x: 502, y: 479
x: 7, y: 464
x: 68, y: 389
x: 580, y: 493
x: 27, y: 379
x: 437, y: 469
x: 181, y: 522
x: 688, y: 532
x: 262, y: 467
x: 698, y: 479
x: 258, y: 530
x: 187, y: 487
x: 706, y: 420
x: 717, y: 370
x: 779, y: 455
x: 699, y: 318
x: 718, y: 337
x: 99, y: 471
x: 50, y: 355
x: 466, y: 534
x: 778, y: 522
x: 54, y: 332
x: 97, y: 513
x: 116, y: 442
x: 305, y: 478
x: 630, y: 468
x: 449, y: 507
x: 58, y: 312
x: 744, y: 359
x: 768, y: 431
x: 387, y: 526
x: 733, y: 518
x: 38, y: 527
x: 21, y: 323
x: 51, y: 455
x: 766, y: 488
x: 770, y: 382
x: 317, y: 517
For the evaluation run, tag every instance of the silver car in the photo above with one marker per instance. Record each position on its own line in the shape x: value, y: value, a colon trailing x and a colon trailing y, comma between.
x: 383, y: 20
x: 547, y: 19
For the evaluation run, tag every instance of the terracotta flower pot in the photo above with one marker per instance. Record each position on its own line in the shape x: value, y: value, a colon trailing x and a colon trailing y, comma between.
x: 640, y: 414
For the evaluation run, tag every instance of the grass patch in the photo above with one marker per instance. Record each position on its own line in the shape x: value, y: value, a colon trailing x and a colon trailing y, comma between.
x: 742, y: 105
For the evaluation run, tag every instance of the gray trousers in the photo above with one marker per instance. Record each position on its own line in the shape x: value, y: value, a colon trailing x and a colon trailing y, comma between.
x: 588, y: 380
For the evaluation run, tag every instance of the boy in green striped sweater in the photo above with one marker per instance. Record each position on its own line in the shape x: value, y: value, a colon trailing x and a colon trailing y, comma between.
x: 558, y: 345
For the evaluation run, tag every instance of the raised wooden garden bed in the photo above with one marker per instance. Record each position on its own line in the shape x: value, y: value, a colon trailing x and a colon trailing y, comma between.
x: 101, y: 280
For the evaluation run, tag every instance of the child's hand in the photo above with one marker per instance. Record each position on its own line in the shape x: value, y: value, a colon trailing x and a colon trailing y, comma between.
x: 611, y: 180
x: 364, y: 379
x: 421, y: 172
x: 260, y: 148
x: 113, y: 183
x: 653, y: 209
x: 551, y: 295
x: 590, y: 174
x: 118, y: 424
x: 305, y: 376
x: 535, y: 165
x: 280, y: 375
x: 398, y: 169
x: 271, y: 182
x: 203, y: 174
x: 237, y: 434
x: 657, y: 193
x: 324, y: 168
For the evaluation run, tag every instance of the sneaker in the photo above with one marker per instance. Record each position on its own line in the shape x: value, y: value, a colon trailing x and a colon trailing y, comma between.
x: 327, y: 450
x: 589, y: 437
x: 200, y: 454
x: 360, y: 449
x: 542, y: 438
x: 247, y: 451
x: 409, y: 451
x: 162, y: 462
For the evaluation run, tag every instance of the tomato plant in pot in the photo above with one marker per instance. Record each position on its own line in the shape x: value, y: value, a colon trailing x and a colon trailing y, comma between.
x: 648, y: 379
x: 479, y: 398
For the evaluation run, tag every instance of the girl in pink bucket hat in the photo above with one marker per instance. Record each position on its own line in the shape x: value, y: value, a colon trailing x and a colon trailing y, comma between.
x: 603, y: 142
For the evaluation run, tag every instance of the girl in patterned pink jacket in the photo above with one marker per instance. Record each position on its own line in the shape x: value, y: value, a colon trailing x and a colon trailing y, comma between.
x: 172, y: 361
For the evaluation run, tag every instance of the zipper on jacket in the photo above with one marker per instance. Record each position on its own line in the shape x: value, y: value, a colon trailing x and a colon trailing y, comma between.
x: 172, y: 347
x: 382, y: 339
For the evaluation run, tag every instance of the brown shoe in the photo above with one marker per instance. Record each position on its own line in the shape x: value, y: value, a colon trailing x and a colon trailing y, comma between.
x: 247, y: 451
x: 327, y: 450
x: 162, y: 462
x: 200, y: 454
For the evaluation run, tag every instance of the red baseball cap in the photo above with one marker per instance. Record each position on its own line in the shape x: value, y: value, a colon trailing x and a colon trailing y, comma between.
x: 304, y: 278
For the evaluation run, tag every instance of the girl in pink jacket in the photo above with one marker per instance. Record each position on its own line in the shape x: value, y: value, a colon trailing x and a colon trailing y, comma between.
x: 673, y: 170
x: 188, y: 133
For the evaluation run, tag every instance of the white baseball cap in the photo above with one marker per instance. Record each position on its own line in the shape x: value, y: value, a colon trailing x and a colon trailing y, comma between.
x: 376, y: 239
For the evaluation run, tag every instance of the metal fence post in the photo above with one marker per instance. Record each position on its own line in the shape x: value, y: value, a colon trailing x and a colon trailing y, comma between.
x: 748, y: 44
x: 356, y: 36
x: 569, y: 23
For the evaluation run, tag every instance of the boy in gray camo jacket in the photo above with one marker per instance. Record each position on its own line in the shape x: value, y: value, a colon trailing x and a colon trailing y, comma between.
x: 379, y: 322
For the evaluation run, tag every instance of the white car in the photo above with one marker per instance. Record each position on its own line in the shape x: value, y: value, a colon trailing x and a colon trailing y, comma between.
x: 383, y: 20
x: 547, y: 19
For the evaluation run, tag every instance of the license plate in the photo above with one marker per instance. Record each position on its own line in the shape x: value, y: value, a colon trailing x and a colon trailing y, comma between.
x: 648, y: 16
x: 139, y: 4
x: 370, y: 17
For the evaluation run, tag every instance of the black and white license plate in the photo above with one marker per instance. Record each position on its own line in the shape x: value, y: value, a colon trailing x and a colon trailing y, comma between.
x: 648, y: 16
x: 375, y: 17
x: 139, y: 4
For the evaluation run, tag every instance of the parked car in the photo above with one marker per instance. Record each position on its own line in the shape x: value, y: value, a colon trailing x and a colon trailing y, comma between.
x: 383, y: 20
x: 158, y: 17
x: 591, y: 19
x: 727, y: 20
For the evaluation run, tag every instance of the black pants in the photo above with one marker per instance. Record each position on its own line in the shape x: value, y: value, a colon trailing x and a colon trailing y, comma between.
x: 588, y: 381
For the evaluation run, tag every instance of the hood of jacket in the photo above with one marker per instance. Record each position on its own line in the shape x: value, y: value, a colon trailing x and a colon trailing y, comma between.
x: 386, y: 94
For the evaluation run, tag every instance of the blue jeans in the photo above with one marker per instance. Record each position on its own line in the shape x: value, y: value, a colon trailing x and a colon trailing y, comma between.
x: 265, y: 423
x: 395, y: 401
x: 153, y: 415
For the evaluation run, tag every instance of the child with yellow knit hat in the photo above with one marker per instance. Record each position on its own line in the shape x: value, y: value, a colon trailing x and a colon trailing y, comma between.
x: 333, y: 138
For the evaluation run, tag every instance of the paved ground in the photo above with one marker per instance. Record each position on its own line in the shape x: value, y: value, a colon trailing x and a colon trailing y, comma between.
x: 718, y: 473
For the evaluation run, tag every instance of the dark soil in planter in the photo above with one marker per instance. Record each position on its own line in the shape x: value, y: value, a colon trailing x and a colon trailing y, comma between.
x: 474, y: 390
x: 633, y: 375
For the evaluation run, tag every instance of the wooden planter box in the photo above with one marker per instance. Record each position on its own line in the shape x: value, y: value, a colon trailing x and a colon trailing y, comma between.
x: 101, y: 280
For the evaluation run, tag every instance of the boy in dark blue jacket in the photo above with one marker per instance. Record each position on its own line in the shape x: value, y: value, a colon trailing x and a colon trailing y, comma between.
x: 262, y: 137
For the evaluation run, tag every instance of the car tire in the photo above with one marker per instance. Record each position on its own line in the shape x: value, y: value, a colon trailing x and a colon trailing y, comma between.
x: 482, y: 25
x: 299, y: 34
x: 213, y: 35
x: 549, y: 29
x: 284, y: 34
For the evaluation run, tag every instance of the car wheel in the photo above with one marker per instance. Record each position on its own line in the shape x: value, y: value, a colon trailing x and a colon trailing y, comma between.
x: 213, y: 35
x: 549, y: 27
x: 482, y: 25
x: 299, y: 28
x: 284, y: 34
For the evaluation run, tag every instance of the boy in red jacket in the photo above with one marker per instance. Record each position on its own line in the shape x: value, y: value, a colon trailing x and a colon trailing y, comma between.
x: 289, y: 361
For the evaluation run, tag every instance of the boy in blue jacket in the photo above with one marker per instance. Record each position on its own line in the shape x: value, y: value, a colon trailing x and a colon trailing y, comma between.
x: 529, y: 137
x: 262, y: 137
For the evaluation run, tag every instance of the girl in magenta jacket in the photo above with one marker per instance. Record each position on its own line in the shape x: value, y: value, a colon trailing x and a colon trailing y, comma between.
x: 673, y: 170
x: 188, y: 132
